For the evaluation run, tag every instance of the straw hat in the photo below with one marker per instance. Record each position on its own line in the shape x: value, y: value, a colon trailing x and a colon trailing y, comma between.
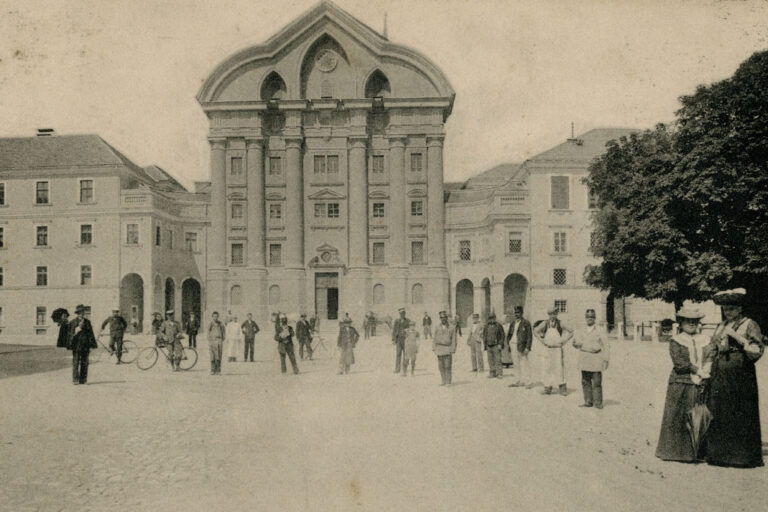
x: 690, y: 313
x: 730, y: 297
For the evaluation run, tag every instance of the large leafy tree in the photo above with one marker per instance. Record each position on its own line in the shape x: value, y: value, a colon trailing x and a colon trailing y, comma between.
x: 684, y: 209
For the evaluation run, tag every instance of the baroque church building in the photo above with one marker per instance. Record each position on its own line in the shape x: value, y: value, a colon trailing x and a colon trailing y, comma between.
x: 326, y: 169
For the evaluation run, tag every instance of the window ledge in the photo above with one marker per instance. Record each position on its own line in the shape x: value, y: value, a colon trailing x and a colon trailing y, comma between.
x: 557, y: 210
x: 42, y: 204
x: 516, y: 254
x: 42, y: 247
x: 3, y: 206
x: 132, y: 245
x: 556, y: 254
x: 85, y: 246
x: 85, y: 204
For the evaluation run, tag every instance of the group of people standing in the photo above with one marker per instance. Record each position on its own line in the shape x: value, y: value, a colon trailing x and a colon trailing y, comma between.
x: 719, y: 373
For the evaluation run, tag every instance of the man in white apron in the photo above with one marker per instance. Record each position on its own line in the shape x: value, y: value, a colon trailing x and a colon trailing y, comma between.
x: 553, y: 335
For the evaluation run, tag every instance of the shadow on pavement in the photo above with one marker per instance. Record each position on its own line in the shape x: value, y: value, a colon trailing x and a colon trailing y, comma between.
x: 16, y: 360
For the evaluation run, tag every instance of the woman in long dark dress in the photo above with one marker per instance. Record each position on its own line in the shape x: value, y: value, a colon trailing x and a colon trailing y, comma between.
x: 61, y: 317
x: 691, y: 355
x: 733, y: 438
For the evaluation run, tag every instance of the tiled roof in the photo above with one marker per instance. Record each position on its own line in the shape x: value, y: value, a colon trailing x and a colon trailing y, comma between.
x: 494, y: 177
x: 163, y: 179
x: 584, y: 148
x: 59, y: 151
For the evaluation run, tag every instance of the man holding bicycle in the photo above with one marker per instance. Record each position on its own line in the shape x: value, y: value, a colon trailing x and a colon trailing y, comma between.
x: 117, y: 325
x: 171, y: 335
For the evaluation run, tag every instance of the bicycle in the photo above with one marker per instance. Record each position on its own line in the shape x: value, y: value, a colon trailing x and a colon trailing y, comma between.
x: 129, y: 355
x: 149, y: 355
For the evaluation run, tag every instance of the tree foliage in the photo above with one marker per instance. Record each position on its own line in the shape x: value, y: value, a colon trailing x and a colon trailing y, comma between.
x: 684, y: 208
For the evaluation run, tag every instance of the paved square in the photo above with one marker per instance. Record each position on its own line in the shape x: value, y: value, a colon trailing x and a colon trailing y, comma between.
x: 253, y: 439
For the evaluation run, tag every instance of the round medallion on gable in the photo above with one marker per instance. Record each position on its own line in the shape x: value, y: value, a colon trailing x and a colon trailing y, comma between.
x: 326, y: 60
x: 326, y: 256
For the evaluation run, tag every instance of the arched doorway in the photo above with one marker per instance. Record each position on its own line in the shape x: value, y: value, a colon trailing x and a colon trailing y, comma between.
x: 170, y: 292
x: 132, y: 301
x: 515, y: 290
x: 465, y: 300
x: 485, y: 287
x: 190, y: 299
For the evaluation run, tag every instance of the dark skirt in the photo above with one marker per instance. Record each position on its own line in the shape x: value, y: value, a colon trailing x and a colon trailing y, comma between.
x: 674, y: 439
x: 733, y: 438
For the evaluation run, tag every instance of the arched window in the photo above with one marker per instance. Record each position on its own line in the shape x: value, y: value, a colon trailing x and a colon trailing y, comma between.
x: 273, y: 88
x: 378, y: 294
x: 274, y: 295
x: 236, y: 295
x: 377, y: 85
x: 417, y: 294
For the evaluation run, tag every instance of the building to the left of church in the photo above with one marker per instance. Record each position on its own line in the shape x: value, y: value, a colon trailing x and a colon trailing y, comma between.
x: 82, y: 224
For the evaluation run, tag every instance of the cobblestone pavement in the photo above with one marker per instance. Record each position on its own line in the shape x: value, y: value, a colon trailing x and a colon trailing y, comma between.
x: 253, y: 439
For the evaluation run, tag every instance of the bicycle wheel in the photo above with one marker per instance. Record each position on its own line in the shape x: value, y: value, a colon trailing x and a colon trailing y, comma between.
x: 130, y: 351
x: 188, y: 358
x: 147, y: 358
x: 95, y: 355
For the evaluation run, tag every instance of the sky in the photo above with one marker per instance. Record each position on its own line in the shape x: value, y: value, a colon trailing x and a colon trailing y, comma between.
x: 523, y: 71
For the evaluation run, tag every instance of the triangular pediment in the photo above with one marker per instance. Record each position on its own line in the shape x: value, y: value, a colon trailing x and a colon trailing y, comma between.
x: 327, y: 248
x: 274, y: 196
x: 325, y: 194
x: 236, y: 196
x: 378, y: 194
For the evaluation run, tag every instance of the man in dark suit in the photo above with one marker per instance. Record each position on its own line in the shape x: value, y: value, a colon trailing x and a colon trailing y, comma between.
x: 284, y: 339
x: 193, y: 327
x: 82, y: 341
x: 520, y: 336
x: 250, y: 330
x: 493, y: 342
x: 398, y: 337
x: 304, y: 334
x: 117, y: 325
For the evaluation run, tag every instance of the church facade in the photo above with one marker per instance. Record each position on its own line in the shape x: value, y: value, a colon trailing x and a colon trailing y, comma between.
x: 327, y: 190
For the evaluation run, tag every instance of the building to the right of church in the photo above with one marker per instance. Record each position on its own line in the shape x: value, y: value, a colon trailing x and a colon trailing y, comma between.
x: 521, y: 235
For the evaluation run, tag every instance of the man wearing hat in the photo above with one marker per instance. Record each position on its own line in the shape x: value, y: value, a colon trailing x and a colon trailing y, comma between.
x: 157, y: 321
x: 171, y: 335
x: 475, y: 343
x: 216, y: 332
x: 444, y: 346
x: 519, y: 339
x: 493, y: 342
x: 593, y: 359
x: 304, y: 334
x: 82, y: 341
x: 398, y: 337
x: 284, y: 339
x: 250, y: 329
x: 550, y: 332
x: 117, y: 325
x: 346, y: 342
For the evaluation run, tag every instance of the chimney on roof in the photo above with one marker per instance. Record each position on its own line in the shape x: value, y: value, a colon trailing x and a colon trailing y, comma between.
x: 574, y: 140
x: 46, y: 132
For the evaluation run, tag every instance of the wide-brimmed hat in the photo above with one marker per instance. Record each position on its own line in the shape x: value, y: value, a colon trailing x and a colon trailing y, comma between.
x: 58, y: 313
x: 347, y: 321
x: 690, y: 313
x: 443, y: 314
x: 79, y: 309
x: 552, y: 311
x: 169, y: 312
x: 492, y: 316
x: 401, y: 310
x: 730, y: 297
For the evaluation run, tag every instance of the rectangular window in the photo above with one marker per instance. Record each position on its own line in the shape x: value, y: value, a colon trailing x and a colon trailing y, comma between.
x: 561, y: 242
x: 237, y: 254
x: 559, y: 277
x: 560, y: 192
x: 170, y: 239
x: 236, y: 166
x: 378, y: 252
x: 275, y: 169
x: 85, y: 275
x: 42, y: 276
x: 416, y: 162
x: 2, y: 237
x: 190, y: 241
x: 41, y: 192
x: 237, y: 211
x: 592, y: 200
x: 333, y: 210
x: 333, y: 164
x: 158, y: 238
x: 86, y: 191
x: 561, y: 306
x: 319, y: 164
x: 2, y: 194
x: 86, y: 234
x: 275, y: 212
x: 515, y: 242
x: 378, y: 210
x: 417, y: 208
x: 417, y: 252
x: 465, y: 250
x: 275, y: 254
x: 377, y: 165
x: 42, y: 236
x: 319, y: 210
x: 132, y: 234
x: 40, y: 315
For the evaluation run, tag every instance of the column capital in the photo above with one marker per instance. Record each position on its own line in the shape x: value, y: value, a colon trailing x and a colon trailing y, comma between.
x: 293, y: 142
x: 218, y: 142
x: 254, y: 141
x: 396, y: 141
x: 435, y: 141
x: 357, y: 141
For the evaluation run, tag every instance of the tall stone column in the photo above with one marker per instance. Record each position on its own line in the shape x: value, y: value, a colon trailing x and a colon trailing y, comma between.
x: 216, y: 275
x: 396, y: 216
x: 294, y: 205
x: 436, y: 206
x: 359, y: 275
x: 255, y: 276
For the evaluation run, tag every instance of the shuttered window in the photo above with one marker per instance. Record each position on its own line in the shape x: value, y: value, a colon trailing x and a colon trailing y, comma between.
x: 560, y: 192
